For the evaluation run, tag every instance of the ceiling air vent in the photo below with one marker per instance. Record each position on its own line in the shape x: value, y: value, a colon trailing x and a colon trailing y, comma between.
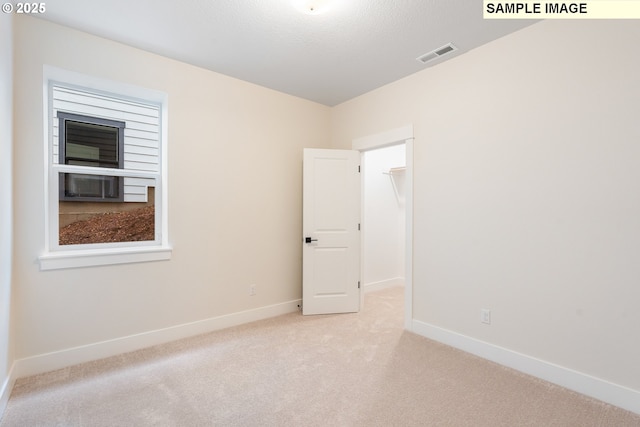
x: 437, y: 53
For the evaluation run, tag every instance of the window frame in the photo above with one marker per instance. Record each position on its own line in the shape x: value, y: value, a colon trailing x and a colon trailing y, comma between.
x: 62, y: 154
x: 55, y: 256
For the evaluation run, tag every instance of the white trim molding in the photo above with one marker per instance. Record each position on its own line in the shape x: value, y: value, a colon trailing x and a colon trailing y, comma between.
x: 96, y: 257
x: 390, y: 137
x: 588, y: 385
x: 5, y: 391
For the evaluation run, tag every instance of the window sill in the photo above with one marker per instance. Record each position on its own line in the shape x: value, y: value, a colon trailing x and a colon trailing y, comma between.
x: 99, y: 257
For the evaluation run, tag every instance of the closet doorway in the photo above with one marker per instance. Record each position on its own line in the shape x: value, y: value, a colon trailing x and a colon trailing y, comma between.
x: 383, y: 217
x: 387, y: 212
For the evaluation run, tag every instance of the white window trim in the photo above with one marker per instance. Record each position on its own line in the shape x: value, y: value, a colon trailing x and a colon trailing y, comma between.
x: 58, y: 257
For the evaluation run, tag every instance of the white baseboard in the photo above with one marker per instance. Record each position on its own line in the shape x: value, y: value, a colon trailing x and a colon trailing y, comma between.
x: 597, y: 388
x: 73, y: 356
x: 383, y: 284
x: 5, y: 391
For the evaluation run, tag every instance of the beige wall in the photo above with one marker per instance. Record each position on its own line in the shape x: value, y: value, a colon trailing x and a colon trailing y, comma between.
x: 526, y: 192
x: 6, y: 129
x: 235, y: 164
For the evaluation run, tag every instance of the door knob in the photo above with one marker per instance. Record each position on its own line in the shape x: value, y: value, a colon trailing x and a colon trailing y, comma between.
x: 309, y: 240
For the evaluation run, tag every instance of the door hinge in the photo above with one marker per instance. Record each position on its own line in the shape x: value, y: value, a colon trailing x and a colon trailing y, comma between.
x: 358, y: 168
x: 358, y: 284
x: 358, y: 226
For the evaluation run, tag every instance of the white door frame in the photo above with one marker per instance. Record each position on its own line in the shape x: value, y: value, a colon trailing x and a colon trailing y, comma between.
x: 402, y: 135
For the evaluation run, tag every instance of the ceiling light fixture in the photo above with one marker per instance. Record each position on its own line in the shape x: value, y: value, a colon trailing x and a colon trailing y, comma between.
x: 312, y: 7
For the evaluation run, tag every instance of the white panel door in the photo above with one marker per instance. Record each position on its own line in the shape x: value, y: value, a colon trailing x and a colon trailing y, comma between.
x: 331, y: 240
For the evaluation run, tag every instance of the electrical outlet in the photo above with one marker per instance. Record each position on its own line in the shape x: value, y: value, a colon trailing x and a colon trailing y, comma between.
x: 485, y: 316
x: 252, y: 290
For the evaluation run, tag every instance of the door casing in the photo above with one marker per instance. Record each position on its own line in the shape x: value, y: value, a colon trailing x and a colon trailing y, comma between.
x: 402, y: 135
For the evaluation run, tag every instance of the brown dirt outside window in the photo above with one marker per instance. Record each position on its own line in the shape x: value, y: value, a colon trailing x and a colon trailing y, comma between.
x: 132, y: 226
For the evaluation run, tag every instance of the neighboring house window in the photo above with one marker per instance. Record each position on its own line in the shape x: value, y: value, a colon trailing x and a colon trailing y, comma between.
x: 106, y: 183
x: 91, y: 141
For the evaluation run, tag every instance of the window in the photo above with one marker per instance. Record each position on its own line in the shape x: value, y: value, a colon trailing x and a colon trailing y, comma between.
x: 105, y: 154
x: 90, y: 141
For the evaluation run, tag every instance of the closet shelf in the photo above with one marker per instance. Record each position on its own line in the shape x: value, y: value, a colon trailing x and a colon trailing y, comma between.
x: 396, y: 171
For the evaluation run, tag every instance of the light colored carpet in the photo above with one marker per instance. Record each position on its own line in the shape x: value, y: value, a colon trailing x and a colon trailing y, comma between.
x: 336, y: 370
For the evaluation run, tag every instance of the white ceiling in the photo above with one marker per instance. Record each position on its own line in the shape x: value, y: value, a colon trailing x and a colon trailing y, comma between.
x: 352, y: 48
